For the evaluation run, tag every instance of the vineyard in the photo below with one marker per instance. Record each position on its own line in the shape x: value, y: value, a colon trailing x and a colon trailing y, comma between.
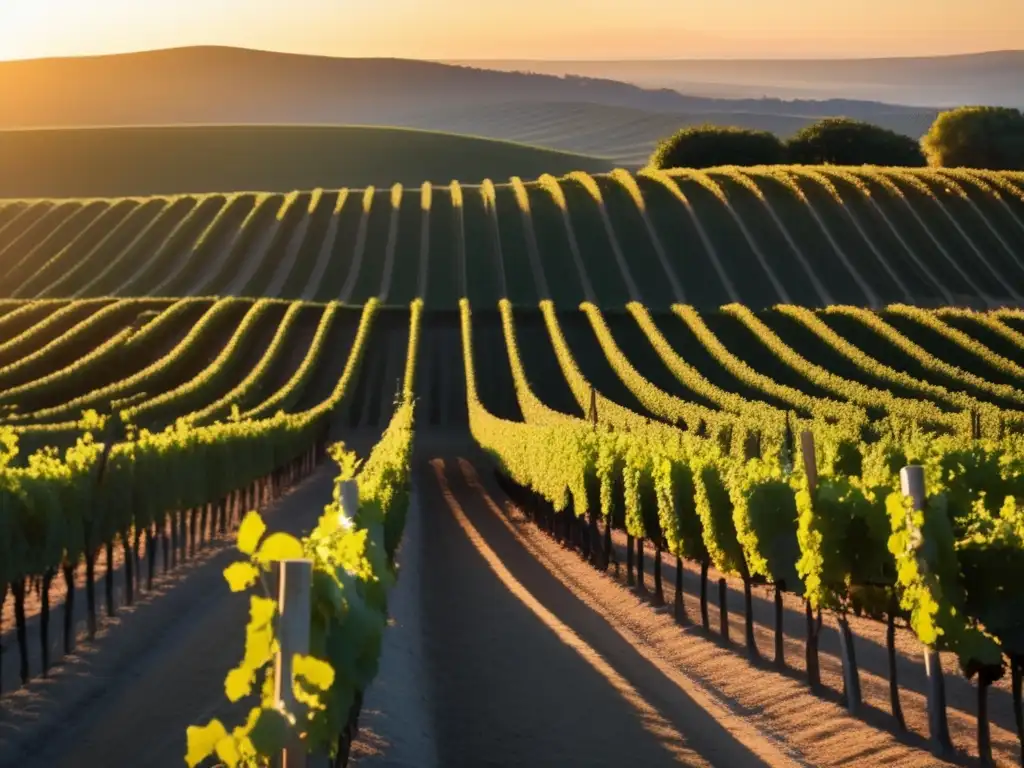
x: 677, y: 428
x: 755, y: 236
x: 705, y: 385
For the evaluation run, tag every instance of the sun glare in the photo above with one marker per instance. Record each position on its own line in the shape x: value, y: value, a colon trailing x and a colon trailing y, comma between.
x: 447, y: 29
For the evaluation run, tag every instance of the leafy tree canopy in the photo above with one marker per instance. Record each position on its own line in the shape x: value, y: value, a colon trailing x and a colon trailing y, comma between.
x: 842, y: 141
x: 977, y: 137
x: 706, y: 146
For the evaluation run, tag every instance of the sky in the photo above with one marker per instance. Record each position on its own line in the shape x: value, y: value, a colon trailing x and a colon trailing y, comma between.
x: 517, y: 29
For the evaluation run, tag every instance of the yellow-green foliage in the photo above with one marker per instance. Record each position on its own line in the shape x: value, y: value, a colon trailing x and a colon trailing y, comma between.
x: 976, y: 137
x: 846, y: 389
x: 847, y: 414
x: 628, y: 182
x: 765, y: 516
x: 769, y: 421
x: 964, y: 341
x: 351, y: 551
x: 522, y: 198
x: 195, y: 386
x: 455, y: 190
x: 991, y: 415
x: 550, y: 184
x: 99, y: 354
x: 44, y: 418
x: 283, y: 397
x: 672, y: 409
x: 256, y: 376
x: 552, y: 460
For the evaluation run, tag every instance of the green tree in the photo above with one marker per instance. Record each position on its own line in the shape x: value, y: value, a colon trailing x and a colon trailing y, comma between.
x: 843, y: 141
x: 706, y: 146
x: 977, y: 137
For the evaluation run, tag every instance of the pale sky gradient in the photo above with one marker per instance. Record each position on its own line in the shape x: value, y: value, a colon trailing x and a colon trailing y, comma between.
x: 515, y: 29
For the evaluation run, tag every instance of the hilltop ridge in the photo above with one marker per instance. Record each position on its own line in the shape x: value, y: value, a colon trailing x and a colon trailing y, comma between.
x: 212, y: 84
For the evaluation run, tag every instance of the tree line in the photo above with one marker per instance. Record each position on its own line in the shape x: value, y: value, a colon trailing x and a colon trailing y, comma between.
x: 972, y: 137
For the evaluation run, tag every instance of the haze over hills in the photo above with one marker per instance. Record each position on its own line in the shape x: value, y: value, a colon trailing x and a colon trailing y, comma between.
x: 995, y: 77
x: 624, y: 135
x: 603, y: 118
x: 233, y: 85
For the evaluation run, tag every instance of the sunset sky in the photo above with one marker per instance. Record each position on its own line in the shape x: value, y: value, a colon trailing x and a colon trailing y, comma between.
x: 549, y: 29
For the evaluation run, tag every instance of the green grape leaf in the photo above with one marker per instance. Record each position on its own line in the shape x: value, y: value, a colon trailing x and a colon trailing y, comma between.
x: 250, y: 532
x: 202, y: 741
x: 228, y: 752
x: 238, y: 683
x: 279, y: 546
x: 328, y: 595
x: 261, y: 611
x: 350, y: 556
x: 241, y: 576
x: 269, y: 733
x: 259, y: 634
x: 317, y: 673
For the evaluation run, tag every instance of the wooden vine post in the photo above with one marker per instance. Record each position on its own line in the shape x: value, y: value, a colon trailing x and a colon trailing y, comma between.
x: 912, y: 485
x: 295, y: 582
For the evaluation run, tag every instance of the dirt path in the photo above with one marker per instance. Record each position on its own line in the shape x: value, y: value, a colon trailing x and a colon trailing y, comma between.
x: 395, y: 726
x: 323, y: 259
x: 532, y: 657
x: 520, y: 671
x: 869, y: 644
x: 259, y: 252
x: 291, y: 255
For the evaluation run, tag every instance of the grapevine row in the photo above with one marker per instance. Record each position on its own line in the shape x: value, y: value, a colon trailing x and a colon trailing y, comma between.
x: 840, y: 537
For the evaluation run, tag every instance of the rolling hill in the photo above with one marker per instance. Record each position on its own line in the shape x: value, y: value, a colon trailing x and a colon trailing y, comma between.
x: 124, y: 161
x: 624, y: 135
x: 759, y: 236
x: 205, y: 87
x: 227, y: 86
x: 992, y: 77
x: 218, y: 85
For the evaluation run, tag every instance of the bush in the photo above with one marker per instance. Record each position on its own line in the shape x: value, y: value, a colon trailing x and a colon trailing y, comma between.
x: 706, y: 146
x: 842, y: 141
x: 977, y: 137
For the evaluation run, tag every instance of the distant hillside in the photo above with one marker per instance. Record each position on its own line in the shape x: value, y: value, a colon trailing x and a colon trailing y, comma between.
x: 213, y: 85
x: 938, y: 81
x: 624, y: 135
x: 107, y: 162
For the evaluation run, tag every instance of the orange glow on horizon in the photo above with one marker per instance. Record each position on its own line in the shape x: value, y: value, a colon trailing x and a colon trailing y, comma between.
x: 564, y: 29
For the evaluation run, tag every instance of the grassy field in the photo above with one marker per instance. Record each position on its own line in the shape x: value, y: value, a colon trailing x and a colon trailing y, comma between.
x: 758, y: 236
x: 194, y: 159
x: 625, y: 135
